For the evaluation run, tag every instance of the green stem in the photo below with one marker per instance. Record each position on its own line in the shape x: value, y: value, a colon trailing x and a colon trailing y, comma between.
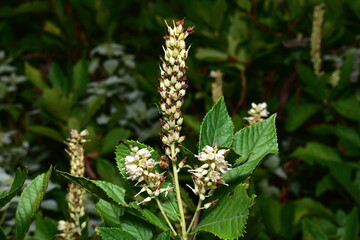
x: 165, y: 216
x: 195, y: 216
x: 178, y: 196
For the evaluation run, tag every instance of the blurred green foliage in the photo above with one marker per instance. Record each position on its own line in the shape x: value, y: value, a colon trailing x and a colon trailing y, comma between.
x: 93, y: 64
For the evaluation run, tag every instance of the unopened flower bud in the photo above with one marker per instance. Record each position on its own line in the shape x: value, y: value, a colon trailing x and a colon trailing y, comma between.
x: 181, y: 139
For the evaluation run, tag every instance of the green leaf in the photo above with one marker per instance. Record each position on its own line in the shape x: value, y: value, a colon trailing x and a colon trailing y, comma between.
x: 107, y: 171
x: 216, y: 127
x: 139, y: 229
x: 298, y: 115
x: 80, y: 77
x: 46, y: 228
x: 311, y: 231
x: 29, y: 203
x: 211, y: 55
x: 115, y: 195
x: 318, y: 153
x: 254, y: 142
x: 57, y: 78
x: 348, y: 107
x: 93, y: 107
x: 46, y: 131
x: 56, y: 103
x: 150, y: 217
x: 312, y: 84
x: 123, y: 150
x: 351, y: 228
x: 18, y: 182
x: 171, y: 207
x: 228, y: 218
x: 109, y: 213
x: 344, y: 174
x: 104, y: 190
x: 115, y: 234
x: 35, y: 77
x: 164, y: 236
x: 112, y: 138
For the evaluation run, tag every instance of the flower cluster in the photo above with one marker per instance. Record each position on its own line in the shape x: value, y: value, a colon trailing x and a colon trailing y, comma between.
x: 139, y: 167
x: 173, y: 86
x: 258, y: 112
x: 318, y: 19
x: 207, y: 177
x: 73, y: 228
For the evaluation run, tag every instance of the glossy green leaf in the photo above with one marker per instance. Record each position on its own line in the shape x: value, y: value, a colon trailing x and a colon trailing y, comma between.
x: 217, y: 127
x: 115, y: 234
x: 104, y: 190
x: 115, y: 195
x: 123, y: 150
x: 29, y: 203
x: 112, y: 138
x: 253, y: 143
x: 150, y: 217
x: 46, y: 131
x: 35, y: 76
x: 164, y: 236
x: 109, y: 213
x: 228, y: 218
x: 18, y: 182
x: 138, y: 228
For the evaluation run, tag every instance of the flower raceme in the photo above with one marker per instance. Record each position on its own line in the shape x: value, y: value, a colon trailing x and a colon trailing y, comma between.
x: 207, y: 177
x: 139, y: 166
x: 73, y: 228
x: 173, y: 86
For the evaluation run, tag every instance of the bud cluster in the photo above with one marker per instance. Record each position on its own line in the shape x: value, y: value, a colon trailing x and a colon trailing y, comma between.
x: 139, y: 167
x: 76, y: 195
x: 173, y: 85
x: 258, y: 112
x: 207, y: 177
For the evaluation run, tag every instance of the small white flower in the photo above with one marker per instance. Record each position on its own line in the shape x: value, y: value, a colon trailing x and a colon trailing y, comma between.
x: 208, y: 175
x: 258, y: 112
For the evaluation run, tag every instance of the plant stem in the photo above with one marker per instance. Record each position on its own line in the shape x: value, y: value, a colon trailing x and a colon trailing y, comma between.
x: 165, y: 216
x: 178, y: 196
x: 195, y: 216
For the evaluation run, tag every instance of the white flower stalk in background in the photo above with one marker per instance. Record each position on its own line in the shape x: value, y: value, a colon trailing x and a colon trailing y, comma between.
x: 318, y: 19
x: 207, y: 177
x: 173, y: 87
x: 72, y: 229
x: 139, y: 167
x: 216, y: 87
x: 258, y: 113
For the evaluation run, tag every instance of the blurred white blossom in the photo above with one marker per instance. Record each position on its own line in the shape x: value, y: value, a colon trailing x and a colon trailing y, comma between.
x: 258, y: 113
